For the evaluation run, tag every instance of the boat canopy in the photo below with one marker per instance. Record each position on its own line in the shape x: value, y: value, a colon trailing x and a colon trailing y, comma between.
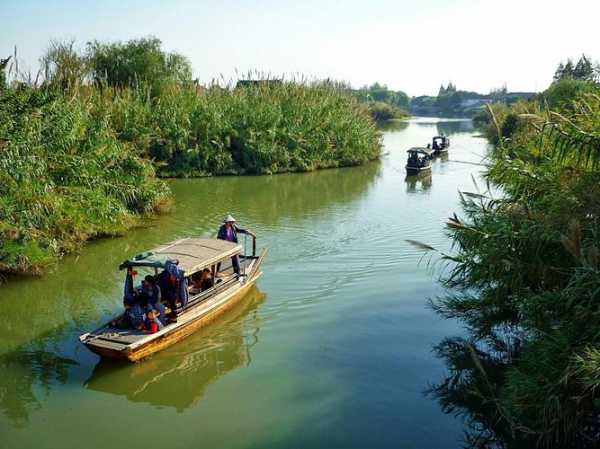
x: 420, y: 150
x: 192, y: 254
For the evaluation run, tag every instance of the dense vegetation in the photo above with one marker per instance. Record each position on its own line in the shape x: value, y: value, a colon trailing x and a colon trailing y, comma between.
x: 80, y: 148
x: 263, y: 128
x: 64, y: 177
x: 383, y: 104
x: 526, y: 279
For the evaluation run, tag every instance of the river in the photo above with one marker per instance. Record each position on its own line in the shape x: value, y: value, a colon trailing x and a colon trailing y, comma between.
x: 332, y: 349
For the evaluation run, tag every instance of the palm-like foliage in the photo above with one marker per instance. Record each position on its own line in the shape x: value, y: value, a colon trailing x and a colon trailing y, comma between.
x: 525, y: 277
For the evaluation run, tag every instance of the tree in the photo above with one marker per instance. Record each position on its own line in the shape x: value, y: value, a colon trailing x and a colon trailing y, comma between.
x: 63, y: 66
x: 401, y: 99
x: 568, y: 70
x: 499, y: 94
x: 3, y: 64
x: 560, y: 72
x: 584, y: 71
x: 137, y: 61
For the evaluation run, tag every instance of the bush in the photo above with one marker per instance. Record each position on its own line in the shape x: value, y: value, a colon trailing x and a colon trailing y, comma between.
x: 271, y: 128
x: 526, y: 275
x: 561, y: 93
x: 64, y: 178
x: 137, y: 62
x: 382, y: 112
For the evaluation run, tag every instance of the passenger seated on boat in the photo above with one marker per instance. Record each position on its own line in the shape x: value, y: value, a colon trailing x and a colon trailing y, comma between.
x: 152, y: 324
x: 173, y: 286
x: 135, y: 316
x: 150, y: 298
x: 150, y: 292
x: 206, y: 281
x: 196, y: 281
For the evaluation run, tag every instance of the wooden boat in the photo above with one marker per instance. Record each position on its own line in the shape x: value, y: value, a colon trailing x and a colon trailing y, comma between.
x: 440, y: 145
x: 192, y: 256
x: 419, y: 160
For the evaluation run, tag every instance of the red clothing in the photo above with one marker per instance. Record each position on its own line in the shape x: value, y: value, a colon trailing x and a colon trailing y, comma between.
x: 152, y: 328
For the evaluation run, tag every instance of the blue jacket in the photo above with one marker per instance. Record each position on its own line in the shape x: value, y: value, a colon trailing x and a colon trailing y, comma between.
x: 222, y: 235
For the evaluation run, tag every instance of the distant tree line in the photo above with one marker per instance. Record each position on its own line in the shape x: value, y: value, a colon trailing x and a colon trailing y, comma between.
x: 383, y: 103
x: 454, y: 102
x: 584, y: 70
x: 380, y: 92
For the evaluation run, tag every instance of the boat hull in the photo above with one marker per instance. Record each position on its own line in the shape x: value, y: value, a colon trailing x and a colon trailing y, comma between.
x: 417, y: 170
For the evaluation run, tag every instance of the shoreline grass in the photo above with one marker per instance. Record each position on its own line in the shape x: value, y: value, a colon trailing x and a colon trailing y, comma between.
x: 80, y: 155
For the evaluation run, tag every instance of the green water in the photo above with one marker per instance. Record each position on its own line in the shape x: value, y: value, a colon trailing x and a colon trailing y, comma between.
x: 333, y: 349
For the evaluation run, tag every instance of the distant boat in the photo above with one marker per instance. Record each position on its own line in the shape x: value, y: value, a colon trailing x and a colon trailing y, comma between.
x: 440, y: 144
x: 419, y: 160
x: 192, y: 256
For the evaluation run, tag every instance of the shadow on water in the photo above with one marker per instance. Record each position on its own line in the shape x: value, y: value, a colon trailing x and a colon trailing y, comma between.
x: 418, y: 183
x: 455, y: 127
x: 37, y: 371
x: 393, y: 125
x: 206, y: 356
x: 267, y: 200
x: 447, y: 127
x: 473, y: 379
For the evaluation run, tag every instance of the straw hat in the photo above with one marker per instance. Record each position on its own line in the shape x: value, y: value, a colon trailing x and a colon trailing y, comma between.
x: 229, y: 219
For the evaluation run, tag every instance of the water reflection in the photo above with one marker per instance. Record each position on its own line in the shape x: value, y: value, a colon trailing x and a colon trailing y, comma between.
x: 178, y: 376
x: 27, y: 375
x: 476, y: 373
x: 454, y: 127
x: 393, y: 125
x: 267, y: 200
x: 418, y: 183
x: 447, y: 127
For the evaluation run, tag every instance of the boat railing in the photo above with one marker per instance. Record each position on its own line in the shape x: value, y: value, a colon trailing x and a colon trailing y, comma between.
x: 245, y: 255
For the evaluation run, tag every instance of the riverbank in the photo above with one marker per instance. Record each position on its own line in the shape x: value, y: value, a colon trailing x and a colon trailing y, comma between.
x: 65, y: 178
x: 262, y: 128
x: 525, y: 279
x: 80, y: 159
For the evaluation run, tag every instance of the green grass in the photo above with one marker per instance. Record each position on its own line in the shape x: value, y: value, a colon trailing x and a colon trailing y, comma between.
x: 262, y: 129
x: 65, y: 177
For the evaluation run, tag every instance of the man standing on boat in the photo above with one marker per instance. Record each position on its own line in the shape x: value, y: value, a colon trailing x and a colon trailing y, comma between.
x: 229, y: 231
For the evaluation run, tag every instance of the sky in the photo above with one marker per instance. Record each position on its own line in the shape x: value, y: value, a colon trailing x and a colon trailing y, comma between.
x: 409, y: 45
